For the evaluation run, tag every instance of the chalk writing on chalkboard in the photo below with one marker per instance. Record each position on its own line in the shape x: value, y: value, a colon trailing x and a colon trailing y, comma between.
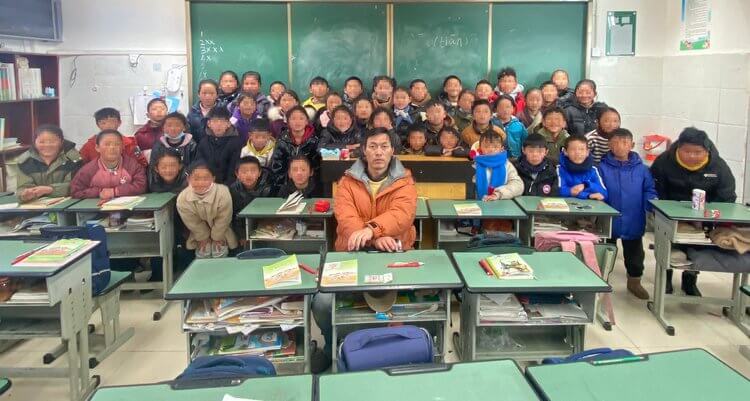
x: 209, y: 53
x: 442, y: 41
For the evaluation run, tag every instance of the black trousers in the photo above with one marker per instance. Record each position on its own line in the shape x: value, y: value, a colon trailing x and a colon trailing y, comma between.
x: 632, y: 252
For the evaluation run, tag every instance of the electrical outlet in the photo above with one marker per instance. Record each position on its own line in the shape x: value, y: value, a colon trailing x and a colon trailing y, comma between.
x: 133, y: 59
x: 157, y: 67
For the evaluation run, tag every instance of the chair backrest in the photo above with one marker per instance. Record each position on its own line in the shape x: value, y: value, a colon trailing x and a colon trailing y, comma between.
x: 261, y: 253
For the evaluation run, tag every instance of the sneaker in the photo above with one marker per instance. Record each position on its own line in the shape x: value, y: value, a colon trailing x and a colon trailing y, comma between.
x: 219, y: 249
x: 203, y: 252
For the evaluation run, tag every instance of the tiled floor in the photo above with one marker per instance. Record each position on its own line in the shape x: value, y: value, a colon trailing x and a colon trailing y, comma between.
x: 157, y: 351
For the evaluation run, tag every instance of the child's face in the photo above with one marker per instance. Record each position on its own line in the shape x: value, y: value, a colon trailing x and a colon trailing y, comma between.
x: 554, y: 122
x: 300, y: 173
x: 534, y: 155
x: 48, y: 144
x: 585, y: 95
x: 200, y: 180
x: 507, y: 83
x: 452, y: 88
x: 609, y: 122
x: 276, y: 91
x: 465, y: 102
x: 353, y: 89
x: 332, y: 102
x: 560, y: 79
x: 484, y: 91
x: 363, y: 110
x: 251, y: 85
x: 108, y: 123
x: 248, y: 174
x: 247, y: 107
x: 157, y: 112
x: 491, y: 147
x: 418, y: 92
x: 577, y: 151
x: 207, y: 95
x: 534, y: 101
x: 383, y: 90
x: 228, y: 84
x: 318, y: 90
x: 482, y: 115
x: 448, y: 140
x: 416, y: 140
x: 621, y: 147
x: 173, y: 127
x: 382, y: 121
x: 504, y: 110
x: 692, y: 155
x: 110, y: 148
x: 297, y: 122
x: 342, y: 121
x: 260, y: 139
x: 219, y: 126
x: 436, y: 115
x: 286, y: 102
x: 549, y: 94
x: 401, y: 99
x: 168, y: 168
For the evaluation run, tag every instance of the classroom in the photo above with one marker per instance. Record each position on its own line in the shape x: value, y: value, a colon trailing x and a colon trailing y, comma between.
x: 241, y: 200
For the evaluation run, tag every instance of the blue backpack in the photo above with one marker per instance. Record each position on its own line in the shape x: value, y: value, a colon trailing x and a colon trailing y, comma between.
x: 100, y: 273
x: 227, y: 367
x: 385, y: 347
x: 595, y: 354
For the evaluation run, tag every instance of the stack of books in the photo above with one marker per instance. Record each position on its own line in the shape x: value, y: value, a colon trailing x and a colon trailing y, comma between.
x: 8, y: 82
x: 548, y: 223
x: 552, y: 308
x: 122, y: 203
x: 501, y: 308
x: 140, y: 223
x: 233, y: 315
x: 689, y: 233
x: 553, y: 205
x: 266, y: 343
x: 31, y: 295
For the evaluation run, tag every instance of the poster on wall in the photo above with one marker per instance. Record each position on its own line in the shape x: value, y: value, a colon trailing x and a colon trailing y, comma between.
x: 695, y: 25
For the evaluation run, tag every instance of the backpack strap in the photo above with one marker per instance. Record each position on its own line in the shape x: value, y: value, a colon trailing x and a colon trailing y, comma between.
x: 568, y: 246
x: 589, y: 258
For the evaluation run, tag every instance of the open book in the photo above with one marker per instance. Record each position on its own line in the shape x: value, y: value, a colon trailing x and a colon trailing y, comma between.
x: 292, y: 205
x: 43, y: 203
x: 122, y: 203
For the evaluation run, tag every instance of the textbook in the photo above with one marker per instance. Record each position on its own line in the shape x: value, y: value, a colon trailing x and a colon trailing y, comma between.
x: 55, y: 254
x: 43, y: 203
x: 467, y: 209
x: 282, y: 273
x: 510, y: 266
x: 553, y: 204
x: 339, y: 274
x: 122, y: 203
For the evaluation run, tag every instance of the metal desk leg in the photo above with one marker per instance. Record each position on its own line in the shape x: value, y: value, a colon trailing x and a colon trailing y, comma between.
x: 662, y: 250
x: 166, y: 248
x: 334, y: 337
x: 306, y: 317
x: 446, y: 326
x: 738, y: 309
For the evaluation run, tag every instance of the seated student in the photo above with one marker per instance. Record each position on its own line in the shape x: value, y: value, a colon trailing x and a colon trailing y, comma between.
x: 243, y: 114
x: 560, y: 79
x: 277, y: 114
x: 221, y: 146
x: 403, y: 112
x: 420, y: 95
x: 484, y: 91
x: 297, y: 139
x: 549, y: 95
x: 381, y: 118
x: 109, y: 119
x: 382, y: 92
x: 609, y: 121
x: 251, y: 87
x: 582, y: 110
x: 531, y: 116
x: 206, y: 210
x: 436, y: 119
x: 692, y: 162
x: 229, y: 88
x: 578, y: 177
x: 341, y: 133
x: 481, y: 114
x: 507, y: 84
x: 630, y: 188
x: 300, y: 179
x: 150, y: 132
x: 260, y: 144
x: 47, y: 168
x: 166, y: 173
x: 515, y: 133
x: 323, y: 117
x: 553, y: 130
x: 112, y: 174
x: 208, y: 93
x: 449, y: 144
x: 362, y: 111
x: 462, y: 112
x: 495, y: 178
x: 253, y: 181
x: 452, y: 89
x: 274, y: 94
x: 175, y: 137
x: 318, y: 92
x: 416, y: 140
x: 537, y: 171
x: 353, y: 89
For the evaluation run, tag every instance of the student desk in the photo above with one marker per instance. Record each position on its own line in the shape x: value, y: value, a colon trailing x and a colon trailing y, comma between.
x: 66, y: 316
x: 58, y: 215
x: 472, y: 381
x: 442, y: 210
x: 141, y: 243
x: 436, y: 177
x: 291, y: 388
x: 265, y: 209
x: 693, y: 375
x: 667, y: 215
x: 437, y: 273
x: 578, y: 208
x: 555, y: 273
x: 232, y: 277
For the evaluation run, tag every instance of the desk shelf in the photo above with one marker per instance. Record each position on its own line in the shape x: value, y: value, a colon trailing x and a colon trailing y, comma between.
x: 366, y: 316
x: 19, y: 329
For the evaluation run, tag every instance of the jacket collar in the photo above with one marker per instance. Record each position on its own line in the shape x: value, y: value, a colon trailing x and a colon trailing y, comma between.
x: 396, y: 171
x: 67, y: 154
x: 633, y: 160
x: 191, y: 196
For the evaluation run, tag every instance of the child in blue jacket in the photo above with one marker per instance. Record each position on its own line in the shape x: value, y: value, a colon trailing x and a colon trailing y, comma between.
x: 577, y: 175
x: 631, y: 186
x: 515, y: 132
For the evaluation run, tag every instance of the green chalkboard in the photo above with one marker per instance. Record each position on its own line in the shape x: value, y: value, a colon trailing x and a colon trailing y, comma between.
x: 239, y: 37
x: 537, y: 39
x: 434, y: 40
x: 336, y: 41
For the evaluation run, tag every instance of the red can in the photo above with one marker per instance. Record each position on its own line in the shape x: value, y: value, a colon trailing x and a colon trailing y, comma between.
x: 712, y: 213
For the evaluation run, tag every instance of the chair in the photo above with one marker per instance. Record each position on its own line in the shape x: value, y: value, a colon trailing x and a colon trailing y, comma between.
x: 261, y: 253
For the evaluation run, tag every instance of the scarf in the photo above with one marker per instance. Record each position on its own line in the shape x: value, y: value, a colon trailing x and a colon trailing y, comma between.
x: 494, y: 163
x: 385, y: 103
x: 526, y: 166
x: 577, y: 168
x: 201, y: 195
x: 175, y: 141
x: 423, y: 102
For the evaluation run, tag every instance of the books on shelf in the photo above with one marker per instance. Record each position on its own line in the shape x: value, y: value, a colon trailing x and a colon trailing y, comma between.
x: 501, y: 308
x: 270, y: 344
x: 233, y: 315
x: 8, y: 82
x: 687, y: 232
x: 510, y: 266
x: 30, y: 83
x: 55, y: 254
x: 43, y: 202
x: 145, y: 222
x: 467, y: 209
x: 283, y: 273
x: 122, y: 203
x: 553, y: 205
x: 292, y: 205
x: 34, y: 223
x: 338, y: 274
x: 32, y: 295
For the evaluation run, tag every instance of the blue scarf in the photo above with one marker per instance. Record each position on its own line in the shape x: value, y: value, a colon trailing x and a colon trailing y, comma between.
x: 496, y: 163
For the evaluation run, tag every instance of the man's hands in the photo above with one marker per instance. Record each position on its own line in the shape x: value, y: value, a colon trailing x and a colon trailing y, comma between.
x: 359, y: 239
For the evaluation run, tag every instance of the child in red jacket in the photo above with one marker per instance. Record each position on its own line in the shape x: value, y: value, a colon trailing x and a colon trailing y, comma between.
x: 150, y: 132
x: 108, y: 118
x: 507, y: 84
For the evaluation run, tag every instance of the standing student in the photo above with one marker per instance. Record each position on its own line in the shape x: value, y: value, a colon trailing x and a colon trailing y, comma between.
x: 482, y: 114
x: 175, y: 138
x: 462, y: 112
x: 484, y: 91
x: 274, y: 94
x: 108, y: 118
x: 495, y: 178
x: 404, y: 114
x: 537, y: 171
x: 515, y: 132
x: 452, y: 89
x: 318, y: 92
x: 420, y: 95
x: 150, y: 132
x: 553, y: 130
x: 507, y: 84
x: 229, y: 86
x: 449, y: 144
x: 221, y: 147
x: 362, y: 112
x: 300, y: 179
x: 630, y: 187
x: 382, y: 91
x: 206, y: 209
x: 166, y: 173
x: 324, y: 115
x: 692, y: 162
x: 260, y: 143
x: 112, y: 174
x: 253, y: 181
x: 353, y: 89
x: 561, y: 81
x: 251, y: 86
x: 436, y: 119
x: 609, y: 121
x: 582, y: 110
x: 277, y: 114
x: 245, y: 111
x: 549, y: 95
x: 47, y: 168
x: 578, y: 177
x: 298, y: 139
x: 531, y: 116
x: 416, y: 139
x: 208, y: 92
x: 341, y: 133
